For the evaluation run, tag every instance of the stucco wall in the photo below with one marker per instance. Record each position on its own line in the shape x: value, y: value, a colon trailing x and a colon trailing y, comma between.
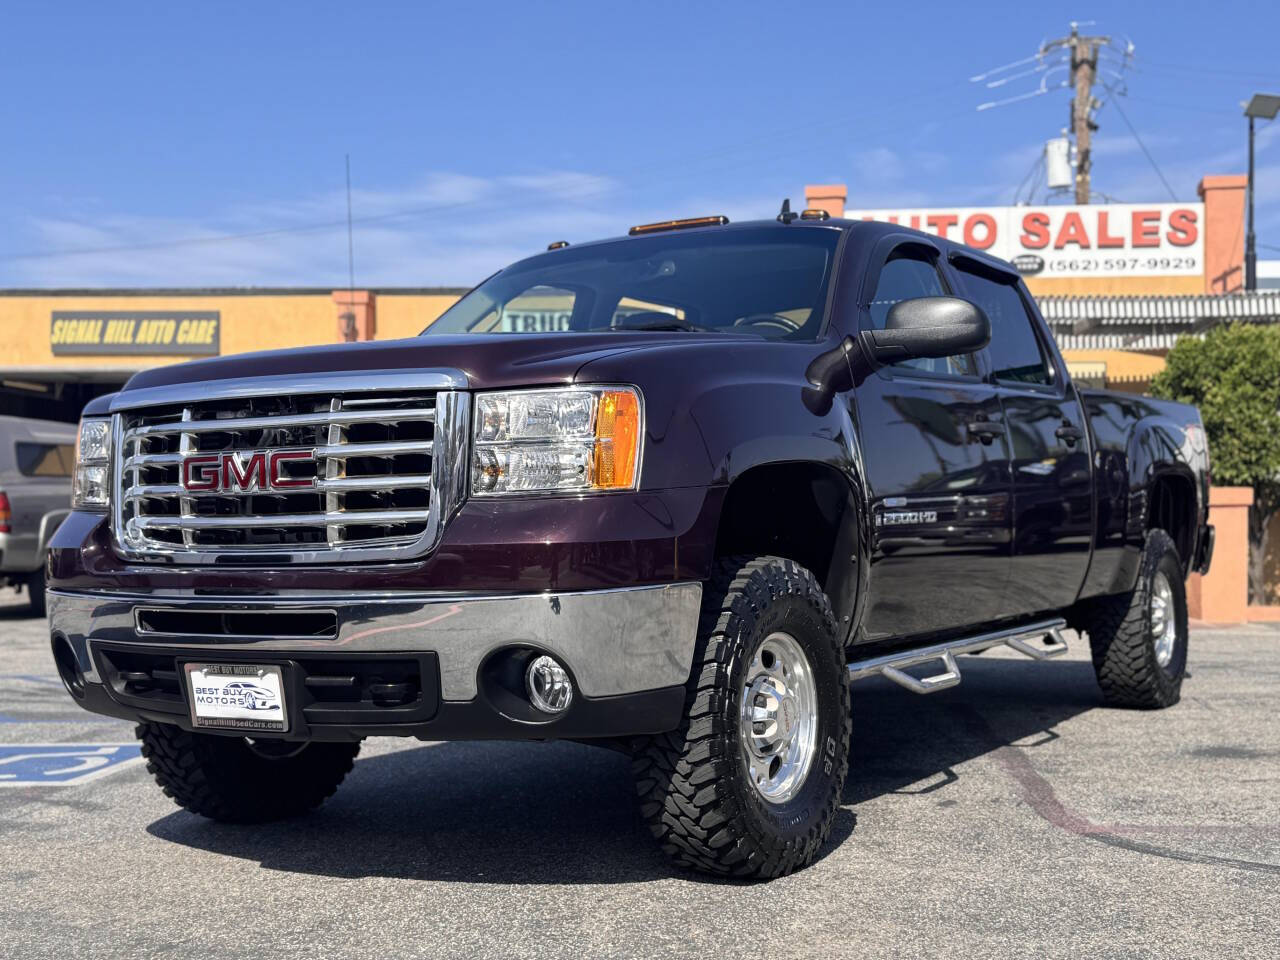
x: 248, y: 322
x: 405, y: 315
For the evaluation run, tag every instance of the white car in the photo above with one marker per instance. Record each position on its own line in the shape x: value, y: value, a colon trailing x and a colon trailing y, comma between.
x: 37, y: 458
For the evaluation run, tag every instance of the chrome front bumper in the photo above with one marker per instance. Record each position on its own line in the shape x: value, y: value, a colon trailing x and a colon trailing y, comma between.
x: 613, y: 641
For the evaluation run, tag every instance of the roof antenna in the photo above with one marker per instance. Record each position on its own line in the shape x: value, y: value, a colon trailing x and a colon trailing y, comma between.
x: 785, y: 215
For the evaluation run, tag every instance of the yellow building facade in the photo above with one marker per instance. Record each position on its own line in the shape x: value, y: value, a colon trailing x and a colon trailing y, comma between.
x: 63, y: 347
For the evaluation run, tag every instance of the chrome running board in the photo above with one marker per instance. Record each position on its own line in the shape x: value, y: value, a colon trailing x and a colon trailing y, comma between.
x: 893, y: 665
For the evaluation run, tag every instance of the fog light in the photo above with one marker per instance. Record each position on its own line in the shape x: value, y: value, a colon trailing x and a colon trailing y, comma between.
x: 549, y: 686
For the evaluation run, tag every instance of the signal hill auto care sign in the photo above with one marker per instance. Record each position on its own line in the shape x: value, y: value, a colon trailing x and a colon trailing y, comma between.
x: 1113, y: 239
x: 144, y: 332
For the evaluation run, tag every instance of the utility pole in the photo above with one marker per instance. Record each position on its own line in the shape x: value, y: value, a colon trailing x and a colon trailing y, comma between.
x: 1250, y: 242
x: 1084, y: 72
x: 1263, y: 106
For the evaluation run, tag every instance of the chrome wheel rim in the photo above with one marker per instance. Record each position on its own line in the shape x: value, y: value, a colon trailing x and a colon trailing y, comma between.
x: 778, y: 726
x: 1164, y: 623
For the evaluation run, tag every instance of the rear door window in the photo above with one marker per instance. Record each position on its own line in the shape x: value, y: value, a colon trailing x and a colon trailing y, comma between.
x: 1015, y: 351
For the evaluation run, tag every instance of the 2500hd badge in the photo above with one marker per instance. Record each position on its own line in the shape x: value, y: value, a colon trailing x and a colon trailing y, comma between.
x: 654, y: 529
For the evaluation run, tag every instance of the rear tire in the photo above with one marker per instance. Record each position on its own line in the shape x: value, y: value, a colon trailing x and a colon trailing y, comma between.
x: 229, y: 780
x: 749, y: 784
x: 1139, y: 639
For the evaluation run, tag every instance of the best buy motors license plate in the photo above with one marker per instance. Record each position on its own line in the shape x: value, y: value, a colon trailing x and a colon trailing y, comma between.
x: 237, y: 696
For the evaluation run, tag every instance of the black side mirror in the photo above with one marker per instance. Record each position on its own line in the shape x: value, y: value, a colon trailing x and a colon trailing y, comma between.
x: 928, y: 327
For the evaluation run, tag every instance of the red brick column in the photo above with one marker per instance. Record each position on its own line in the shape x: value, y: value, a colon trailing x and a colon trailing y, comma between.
x: 357, y: 314
x: 1223, y: 198
x: 1223, y: 595
x: 829, y: 197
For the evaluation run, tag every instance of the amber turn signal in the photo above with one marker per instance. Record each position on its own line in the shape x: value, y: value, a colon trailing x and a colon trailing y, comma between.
x: 617, y: 451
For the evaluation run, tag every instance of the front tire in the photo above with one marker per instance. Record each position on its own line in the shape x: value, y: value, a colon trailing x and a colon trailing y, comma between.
x: 234, y: 780
x: 749, y: 784
x: 1139, y: 639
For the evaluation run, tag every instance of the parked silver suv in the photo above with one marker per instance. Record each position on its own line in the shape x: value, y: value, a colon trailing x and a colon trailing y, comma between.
x: 36, y: 461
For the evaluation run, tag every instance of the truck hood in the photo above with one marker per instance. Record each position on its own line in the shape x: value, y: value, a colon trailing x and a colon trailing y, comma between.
x: 480, y: 361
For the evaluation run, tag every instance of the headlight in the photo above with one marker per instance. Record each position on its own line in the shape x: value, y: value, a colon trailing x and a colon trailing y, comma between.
x: 547, y: 441
x: 89, y: 491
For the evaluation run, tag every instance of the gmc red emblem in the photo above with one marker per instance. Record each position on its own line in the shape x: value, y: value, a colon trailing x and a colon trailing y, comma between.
x: 247, y: 472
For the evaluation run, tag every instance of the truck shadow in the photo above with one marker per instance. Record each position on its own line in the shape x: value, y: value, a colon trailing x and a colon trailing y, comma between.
x: 499, y: 812
x: 17, y: 610
x: 906, y: 744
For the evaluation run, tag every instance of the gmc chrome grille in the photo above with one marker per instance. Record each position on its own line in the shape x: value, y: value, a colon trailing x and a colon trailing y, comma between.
x: 311, y: 477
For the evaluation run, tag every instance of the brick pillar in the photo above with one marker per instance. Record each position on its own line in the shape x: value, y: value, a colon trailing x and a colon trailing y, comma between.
x: 357, y: 314
x: 1223, y: 595
x: 1223, y: 198
x: 829, y: 197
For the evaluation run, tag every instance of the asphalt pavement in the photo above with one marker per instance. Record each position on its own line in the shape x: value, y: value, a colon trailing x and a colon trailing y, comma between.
x: 1014, y: 815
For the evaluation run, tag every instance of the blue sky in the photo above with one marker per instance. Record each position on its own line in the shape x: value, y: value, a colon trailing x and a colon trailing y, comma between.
x: 480, y: 132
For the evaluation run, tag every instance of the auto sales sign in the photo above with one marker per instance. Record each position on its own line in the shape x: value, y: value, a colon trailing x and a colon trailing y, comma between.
x: 1113, y: 239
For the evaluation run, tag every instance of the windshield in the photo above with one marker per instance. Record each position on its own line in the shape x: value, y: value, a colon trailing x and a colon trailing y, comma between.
x: 766, y: 282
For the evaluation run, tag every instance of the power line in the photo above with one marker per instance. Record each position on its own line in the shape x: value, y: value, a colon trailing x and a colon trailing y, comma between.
x: 1182, y: 106
x: 1035, y: 168
x: 1081, y: 56
x: 1115, y: 99
x: 1199, y: 70
x: 1084, y: 74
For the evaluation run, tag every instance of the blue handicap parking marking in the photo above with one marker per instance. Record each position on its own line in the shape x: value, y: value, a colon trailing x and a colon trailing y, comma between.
x: 62, y: 764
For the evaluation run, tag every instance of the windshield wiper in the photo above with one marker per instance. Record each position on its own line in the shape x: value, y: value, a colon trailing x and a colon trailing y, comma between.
x: 671, y: 323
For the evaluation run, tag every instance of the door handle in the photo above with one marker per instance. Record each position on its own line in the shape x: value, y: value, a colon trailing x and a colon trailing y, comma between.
x: 985, y: 430
x: 1069, y: 433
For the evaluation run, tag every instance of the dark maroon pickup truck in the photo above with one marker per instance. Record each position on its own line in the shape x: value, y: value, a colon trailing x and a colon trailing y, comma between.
x: 669, y: 493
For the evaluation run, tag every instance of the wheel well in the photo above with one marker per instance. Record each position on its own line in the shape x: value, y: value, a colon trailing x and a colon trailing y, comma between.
x: 1172, y: 508
x: 802, y: 511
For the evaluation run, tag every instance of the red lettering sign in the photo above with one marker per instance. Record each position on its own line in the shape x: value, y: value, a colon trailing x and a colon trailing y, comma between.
x: 1106, y: 239
x: 1183, y: 228
x: 988, y: 224
x: 1146, y: 228
x: 941, y: 222
x: 1035, y: 231
x: 1072, y: 231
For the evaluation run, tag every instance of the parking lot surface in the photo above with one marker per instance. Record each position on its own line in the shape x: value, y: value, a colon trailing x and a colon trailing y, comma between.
x: 1012, y: 816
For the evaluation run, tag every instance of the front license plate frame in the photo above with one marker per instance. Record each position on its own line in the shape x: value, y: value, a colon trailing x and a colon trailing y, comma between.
x: 232, y: 697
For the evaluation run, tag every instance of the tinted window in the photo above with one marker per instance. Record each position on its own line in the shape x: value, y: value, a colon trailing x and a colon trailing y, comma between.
x: 766, y: 282
x: 906, y: 276
x: 45, y: 459
x: 1015, y: 351
x: 539, y: 309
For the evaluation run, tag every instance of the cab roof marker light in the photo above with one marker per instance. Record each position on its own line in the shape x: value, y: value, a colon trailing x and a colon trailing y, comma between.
x: 811, y: 213
x: 558, y: 245
x: 678, y: 225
